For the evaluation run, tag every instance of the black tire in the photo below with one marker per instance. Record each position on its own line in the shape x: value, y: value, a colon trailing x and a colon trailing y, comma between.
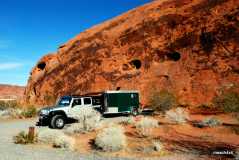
x: 57, y: 122
x: 135, y: 111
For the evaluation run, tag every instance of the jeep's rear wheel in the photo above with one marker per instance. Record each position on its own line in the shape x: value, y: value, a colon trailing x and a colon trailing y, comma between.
x: 58, y: 122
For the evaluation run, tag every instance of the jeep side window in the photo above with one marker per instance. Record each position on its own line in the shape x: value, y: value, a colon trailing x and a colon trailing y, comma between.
x: 76, y: 102
x: 87, y: 100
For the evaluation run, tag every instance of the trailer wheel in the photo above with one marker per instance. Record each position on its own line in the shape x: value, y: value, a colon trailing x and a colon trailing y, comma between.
x: 58, y: 122
x: 134, y: 111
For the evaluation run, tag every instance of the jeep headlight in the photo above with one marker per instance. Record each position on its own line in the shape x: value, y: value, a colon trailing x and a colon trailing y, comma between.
x: 45, y: 112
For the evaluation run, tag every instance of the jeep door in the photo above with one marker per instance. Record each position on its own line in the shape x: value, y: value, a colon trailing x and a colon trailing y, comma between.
x: 87, y: 101
x: 75, y: 106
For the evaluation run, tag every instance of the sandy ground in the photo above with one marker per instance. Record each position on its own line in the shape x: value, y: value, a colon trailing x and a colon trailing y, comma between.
x: 11, y: 151
x: 165, y: 132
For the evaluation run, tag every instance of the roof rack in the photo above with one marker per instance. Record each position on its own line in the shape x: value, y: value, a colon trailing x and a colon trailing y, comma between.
x: 106, y: 91
x: 89, y: 94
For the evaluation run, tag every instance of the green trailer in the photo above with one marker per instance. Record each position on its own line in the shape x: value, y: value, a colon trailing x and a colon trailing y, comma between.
x: 120, y: 102
x: 108, y: 102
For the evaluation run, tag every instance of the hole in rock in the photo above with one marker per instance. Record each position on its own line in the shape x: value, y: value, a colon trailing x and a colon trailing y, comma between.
x: 41, y: 65
x: 175, y: 56
x: 207, y: 41
x: 136, y: 63
x: 118, y: 88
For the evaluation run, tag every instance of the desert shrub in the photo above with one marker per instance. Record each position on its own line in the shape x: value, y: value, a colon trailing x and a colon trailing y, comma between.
x: 56, y: 138
x: 144, y: 132
x: 237, y: 155
x: 2, y: 105
x: 75, y: 128
x: 11, y: 113
x: 228, y: 102
x: 147, y: 123
x: 24, y: 138
x: 162, y: 101
x: 64, y: 142
x: 211, y: 122
x: 158, y: 146
x: 88, y: 120
x: 4, y: 113
x: 111, y: 139
x: 48, y: 135
x: 178, y: 115
x: 127, y: 120
x: 9, y: 104
x: 29, y: 112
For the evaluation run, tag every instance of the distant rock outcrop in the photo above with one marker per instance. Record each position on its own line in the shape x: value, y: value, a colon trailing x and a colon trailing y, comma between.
x: 189, y: 47
x: 11, y: 92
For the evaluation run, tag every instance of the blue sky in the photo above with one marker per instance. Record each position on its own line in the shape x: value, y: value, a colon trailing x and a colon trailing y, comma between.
x: 31, y: 28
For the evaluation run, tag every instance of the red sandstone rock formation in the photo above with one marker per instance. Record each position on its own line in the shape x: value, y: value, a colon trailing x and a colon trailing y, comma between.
x: 189, y: 47
x: 11, y: 92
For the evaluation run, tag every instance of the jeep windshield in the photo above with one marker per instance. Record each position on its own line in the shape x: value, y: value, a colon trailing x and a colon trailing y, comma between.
x: 64, y: 101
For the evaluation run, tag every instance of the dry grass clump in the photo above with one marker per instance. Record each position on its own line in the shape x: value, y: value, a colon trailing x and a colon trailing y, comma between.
x: 13, y: 109
x: 237, y: 154
x: 11, y: 113
x: 111, y: 139
x: 158, y: 146
x: 56, y: 138
x: 147, y: 123
x: 9, y: 104
x: 24, y: 138
x: 10, y: 109
x: 145, y: 126
x: 64, y: 142
x: 88, y: 120
x: 211, y: 122
x: 75, y: 128
x: 29, y: 112
x: 178, y: 115
x: 127, y: 120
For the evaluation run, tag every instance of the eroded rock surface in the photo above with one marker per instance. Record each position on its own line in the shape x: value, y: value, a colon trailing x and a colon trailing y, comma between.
x: 190, y: 47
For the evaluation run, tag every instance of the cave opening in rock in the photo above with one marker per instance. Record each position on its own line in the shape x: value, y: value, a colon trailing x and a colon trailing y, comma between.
x: 175, y: 56
x: 41, y: 65
x: 207, y: 41
x: 118, y: 88
x: 136, y: 63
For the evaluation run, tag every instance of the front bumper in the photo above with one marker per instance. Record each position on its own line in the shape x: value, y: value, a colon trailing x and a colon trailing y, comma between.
x: 44, y: 120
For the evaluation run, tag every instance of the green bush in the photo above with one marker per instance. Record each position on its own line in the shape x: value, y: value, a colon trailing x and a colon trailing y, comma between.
x: 162, y: 100
x: 228, y: 102
x: 24, y: 138
x: 29, y: 112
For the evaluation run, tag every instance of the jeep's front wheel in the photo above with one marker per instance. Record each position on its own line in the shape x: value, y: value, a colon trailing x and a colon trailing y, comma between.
x: 58, y: 122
